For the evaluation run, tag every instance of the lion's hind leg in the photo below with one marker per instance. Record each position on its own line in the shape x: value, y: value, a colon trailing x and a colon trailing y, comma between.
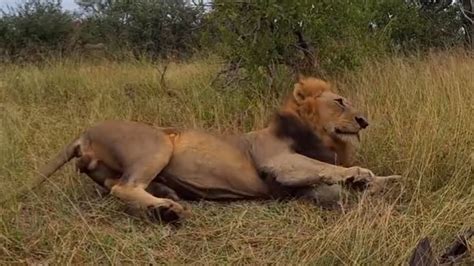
x: 102, y: 175
x: 157, y: 208
x: 161, y: 190
x: 137, y: 177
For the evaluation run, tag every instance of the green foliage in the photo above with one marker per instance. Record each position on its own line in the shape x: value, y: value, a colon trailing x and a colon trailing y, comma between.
x: 418, y: 25
x: 259, y: 36
x: 339, y: 34
x: 156, y: 28
x: 35, y: 26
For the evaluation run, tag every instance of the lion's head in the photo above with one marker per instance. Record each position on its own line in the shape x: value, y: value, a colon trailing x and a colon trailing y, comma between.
x: 322, y: 112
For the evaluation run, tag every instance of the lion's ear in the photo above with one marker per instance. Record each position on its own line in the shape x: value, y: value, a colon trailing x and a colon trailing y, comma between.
x: 301, y: 77
x: 299, y: 93
x: 309, y: 87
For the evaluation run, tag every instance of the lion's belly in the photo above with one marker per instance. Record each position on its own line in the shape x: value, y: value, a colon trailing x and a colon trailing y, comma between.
x: 204, y: 166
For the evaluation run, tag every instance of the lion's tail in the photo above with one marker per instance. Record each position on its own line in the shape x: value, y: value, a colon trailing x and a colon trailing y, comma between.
x: 64, y: 156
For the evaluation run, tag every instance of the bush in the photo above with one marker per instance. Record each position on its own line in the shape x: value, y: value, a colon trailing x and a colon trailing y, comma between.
x: 156, y: 28
x: 327, y: 36
x: 314, y: 37
x: 415, y: 26
x: 37, y: 27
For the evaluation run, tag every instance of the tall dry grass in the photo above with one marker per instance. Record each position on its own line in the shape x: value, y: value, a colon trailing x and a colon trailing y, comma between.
x: 422, y: 126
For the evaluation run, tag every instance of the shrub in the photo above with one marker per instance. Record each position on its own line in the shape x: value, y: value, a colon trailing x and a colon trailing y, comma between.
x: 35, y: 26
x: 328, y: 36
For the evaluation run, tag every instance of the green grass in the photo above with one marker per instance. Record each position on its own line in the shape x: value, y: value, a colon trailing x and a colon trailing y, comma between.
x: 422, y: 126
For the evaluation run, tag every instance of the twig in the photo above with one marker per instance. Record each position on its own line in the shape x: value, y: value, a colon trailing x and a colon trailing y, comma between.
x: 162, y: 75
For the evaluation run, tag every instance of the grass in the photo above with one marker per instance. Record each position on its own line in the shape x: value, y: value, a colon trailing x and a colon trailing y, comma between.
x: 422, y: 126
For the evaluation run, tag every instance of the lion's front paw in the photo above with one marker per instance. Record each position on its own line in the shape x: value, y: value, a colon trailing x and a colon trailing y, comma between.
x: 359, y: 178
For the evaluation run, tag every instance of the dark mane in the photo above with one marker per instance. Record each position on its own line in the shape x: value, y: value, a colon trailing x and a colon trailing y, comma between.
x: 304, y: 140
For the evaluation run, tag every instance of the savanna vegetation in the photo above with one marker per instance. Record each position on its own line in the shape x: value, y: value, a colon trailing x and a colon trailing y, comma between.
x: 225, y: 66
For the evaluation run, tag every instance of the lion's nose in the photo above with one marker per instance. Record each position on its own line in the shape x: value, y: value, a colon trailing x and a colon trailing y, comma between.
x: 362, y: 121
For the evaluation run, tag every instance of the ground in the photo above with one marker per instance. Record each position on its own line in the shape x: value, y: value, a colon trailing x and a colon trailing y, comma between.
x: 422, y: 127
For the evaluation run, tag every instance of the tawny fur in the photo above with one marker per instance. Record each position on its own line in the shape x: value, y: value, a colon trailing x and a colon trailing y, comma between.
x: 305, y: 151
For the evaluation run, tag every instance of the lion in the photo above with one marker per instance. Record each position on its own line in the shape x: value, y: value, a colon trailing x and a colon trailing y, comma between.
x: 306, y: 151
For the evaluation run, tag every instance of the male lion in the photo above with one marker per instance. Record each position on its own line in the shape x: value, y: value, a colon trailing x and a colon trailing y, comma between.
x: 304, y: 151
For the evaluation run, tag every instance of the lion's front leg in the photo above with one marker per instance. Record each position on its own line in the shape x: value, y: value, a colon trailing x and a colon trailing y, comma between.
x: 296, y: 170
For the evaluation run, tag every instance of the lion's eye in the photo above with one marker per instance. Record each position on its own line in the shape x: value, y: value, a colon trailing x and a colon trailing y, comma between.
x: 340, y: 102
